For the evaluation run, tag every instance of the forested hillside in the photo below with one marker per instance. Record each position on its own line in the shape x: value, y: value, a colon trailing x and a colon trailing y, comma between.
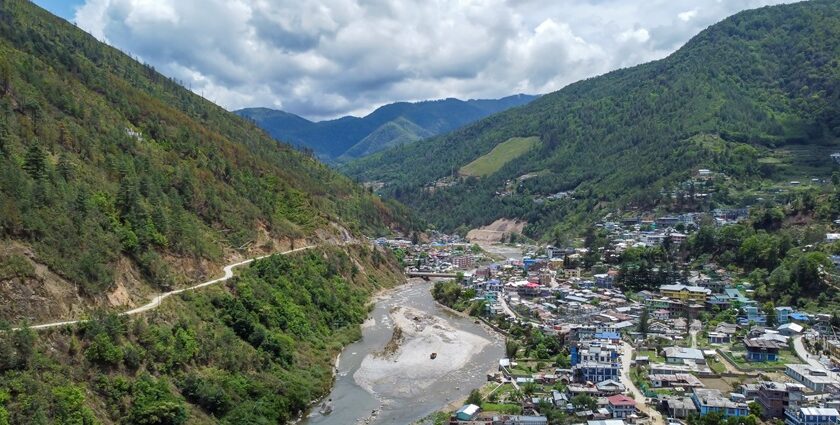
x: 256, y: 350
x: 116, y: 182
x: 390, y: 125
x: 756, y: 97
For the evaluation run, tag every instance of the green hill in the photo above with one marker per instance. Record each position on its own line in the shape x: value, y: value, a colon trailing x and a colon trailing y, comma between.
x: 397, y: 132
x: 393, y: 124
x: 762, y: 83
x: 103, y: 159
x: 116, y: 184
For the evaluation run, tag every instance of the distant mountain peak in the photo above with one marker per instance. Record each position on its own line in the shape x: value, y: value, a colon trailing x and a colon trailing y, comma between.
x: 411, y: 121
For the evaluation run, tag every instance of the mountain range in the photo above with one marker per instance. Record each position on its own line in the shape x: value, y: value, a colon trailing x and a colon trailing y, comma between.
x: 755, y: 98
x: 390, y: 125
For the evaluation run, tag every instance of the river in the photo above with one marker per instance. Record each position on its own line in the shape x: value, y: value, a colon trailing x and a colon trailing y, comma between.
x: 410, y: 389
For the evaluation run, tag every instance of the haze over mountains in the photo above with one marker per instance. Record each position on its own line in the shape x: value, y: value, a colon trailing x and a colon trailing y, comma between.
x: 756, y: 96
x: 390, y: 125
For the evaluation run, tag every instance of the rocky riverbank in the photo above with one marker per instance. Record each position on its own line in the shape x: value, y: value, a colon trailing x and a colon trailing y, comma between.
x: 406, y: 365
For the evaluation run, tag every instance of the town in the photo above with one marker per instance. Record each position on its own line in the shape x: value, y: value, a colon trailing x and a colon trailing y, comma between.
x: 584, y: 349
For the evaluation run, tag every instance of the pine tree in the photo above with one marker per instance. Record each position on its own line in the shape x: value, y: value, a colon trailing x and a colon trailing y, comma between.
x: 4, y: 136
x: 35, y: 163
x: 65, y: 167
x: 128, y: 196
x: 5, y: 77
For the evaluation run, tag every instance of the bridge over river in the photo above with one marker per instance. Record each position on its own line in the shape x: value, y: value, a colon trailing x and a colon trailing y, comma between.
x: 429, y: 275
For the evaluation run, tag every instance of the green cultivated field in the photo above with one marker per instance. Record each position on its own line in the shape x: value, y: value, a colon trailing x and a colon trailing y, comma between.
x: 500, y: 155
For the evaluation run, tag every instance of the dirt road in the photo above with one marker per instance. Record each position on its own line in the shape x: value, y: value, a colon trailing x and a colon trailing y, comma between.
x: 155, y: 302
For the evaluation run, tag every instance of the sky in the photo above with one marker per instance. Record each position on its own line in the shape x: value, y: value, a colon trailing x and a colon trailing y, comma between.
x: 329, y: 58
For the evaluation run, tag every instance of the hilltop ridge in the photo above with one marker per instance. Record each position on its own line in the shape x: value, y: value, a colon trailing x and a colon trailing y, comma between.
x: 390, y: 125
x: 753, y: 97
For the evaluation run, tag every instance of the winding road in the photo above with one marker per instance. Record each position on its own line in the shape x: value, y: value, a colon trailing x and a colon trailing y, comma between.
x: 155, y: 302
x: 803, y: 354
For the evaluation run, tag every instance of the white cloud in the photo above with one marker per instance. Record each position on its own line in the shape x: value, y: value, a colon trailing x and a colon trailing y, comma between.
x: 639, y: 35
x: 687, y: 15
x: 332, y: 57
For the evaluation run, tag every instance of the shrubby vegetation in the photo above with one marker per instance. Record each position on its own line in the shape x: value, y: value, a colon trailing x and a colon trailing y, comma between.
x: 759, y: 83
x: 256, y: 350
x: 453, y: 295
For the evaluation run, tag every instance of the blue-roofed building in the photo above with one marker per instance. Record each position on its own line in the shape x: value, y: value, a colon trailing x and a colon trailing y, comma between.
x: 800, y: 318
x: 611, y: 336
x: 528, y: 262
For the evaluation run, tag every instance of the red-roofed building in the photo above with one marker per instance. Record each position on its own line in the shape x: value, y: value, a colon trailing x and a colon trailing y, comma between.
x: 529, y: 289
x: 621, y: 406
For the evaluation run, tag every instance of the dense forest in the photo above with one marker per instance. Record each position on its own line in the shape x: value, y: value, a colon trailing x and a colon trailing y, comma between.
x: 110, y: 173
x: 257, y: 350
x: 754, y: 96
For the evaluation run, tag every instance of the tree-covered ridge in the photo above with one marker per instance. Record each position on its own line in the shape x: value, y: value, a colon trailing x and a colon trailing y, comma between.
x: 759, y: 82
x: 257, y: 350
x: 390, y: 125
x: 103, y: 159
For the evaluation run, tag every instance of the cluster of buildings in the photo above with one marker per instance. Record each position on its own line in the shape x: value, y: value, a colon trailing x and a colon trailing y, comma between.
x: 445, y: 254
x: 811, y: 397
x: 593, y: 317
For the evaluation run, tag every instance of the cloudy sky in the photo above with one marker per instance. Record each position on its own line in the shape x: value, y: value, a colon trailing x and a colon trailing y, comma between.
x: 322, y: 59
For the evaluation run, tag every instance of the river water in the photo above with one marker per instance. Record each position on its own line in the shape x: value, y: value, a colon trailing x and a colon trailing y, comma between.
x: 353, y: 404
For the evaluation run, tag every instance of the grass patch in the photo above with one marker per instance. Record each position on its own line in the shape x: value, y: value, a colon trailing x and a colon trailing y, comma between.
x: 785, y: 356
x: 503, y: 153
x: 651, y: 355
x: 505, y: 409
x: 717, y: 366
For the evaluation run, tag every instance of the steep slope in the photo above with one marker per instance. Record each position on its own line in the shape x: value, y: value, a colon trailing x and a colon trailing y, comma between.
x: 760, y: 84
x: 115, y: 182
x: 387, y: 126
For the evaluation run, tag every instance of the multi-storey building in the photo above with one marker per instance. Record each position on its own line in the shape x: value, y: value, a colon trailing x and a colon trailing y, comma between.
x: 712, y: 401
x: 595, y: 372
x: 694, y: 294
x: 812, y: 416
x: 775, y: 397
